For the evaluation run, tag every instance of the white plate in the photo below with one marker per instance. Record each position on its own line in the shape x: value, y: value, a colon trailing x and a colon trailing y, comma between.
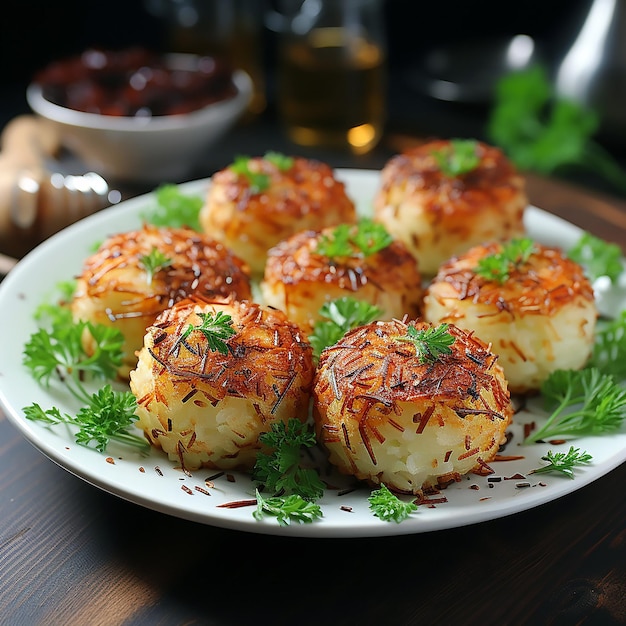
x: 156, y: 483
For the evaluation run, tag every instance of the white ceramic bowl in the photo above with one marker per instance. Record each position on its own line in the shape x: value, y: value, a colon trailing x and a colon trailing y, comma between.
x: 159, y: 149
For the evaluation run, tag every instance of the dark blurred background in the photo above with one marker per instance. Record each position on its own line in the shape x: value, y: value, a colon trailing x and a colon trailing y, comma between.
x: 33, y: 33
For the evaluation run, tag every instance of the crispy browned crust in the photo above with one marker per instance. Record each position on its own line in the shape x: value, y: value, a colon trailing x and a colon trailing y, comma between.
x: 438, y: 216
x: 305, y: 196
x: 296, y: 261
x: 370, y: 367
x: 541, y: 286
x: 298, y: 279
x: 494, y: 182
x: 307, y: 188
x: 268, y: 357
x: 370, y: 387
x: 199, y: 264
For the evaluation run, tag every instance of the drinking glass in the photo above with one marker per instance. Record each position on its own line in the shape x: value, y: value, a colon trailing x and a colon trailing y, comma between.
x: 331, y: 80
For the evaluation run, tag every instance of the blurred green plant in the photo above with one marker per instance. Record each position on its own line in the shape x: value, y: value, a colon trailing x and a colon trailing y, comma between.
x: 545, y: 133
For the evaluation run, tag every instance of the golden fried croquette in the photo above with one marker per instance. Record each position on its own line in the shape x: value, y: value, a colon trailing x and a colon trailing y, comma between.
x: 540, y: 319
x: 273, y: 197
x: 299, y: 278
x: 206, y: 401
x: 389, y: 415
x: 135, y: 275
x: 439, y: 215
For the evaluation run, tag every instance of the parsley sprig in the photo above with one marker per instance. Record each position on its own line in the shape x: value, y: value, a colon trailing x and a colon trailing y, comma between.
x: 108, y: 416
x: 362, y: 239
x: 388, y: 507
x: 458, y: 158
x: 217, y: 329
x: 59, y: 354
x: 280, y: 471
x: 430, y: 343
x: 597, y: 257
x: 498, y: 266
x: 154, y: 262
x: 338, y: 317
x: 545, y: 133
x: 287, y: 509
x: 563, y: 462
x: 580, y: 403
x: 258, y: 180
x: 174, y: 209
x: 283, y: 162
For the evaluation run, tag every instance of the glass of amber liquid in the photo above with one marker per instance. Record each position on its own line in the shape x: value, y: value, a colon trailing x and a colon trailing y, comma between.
x: 332, y: 74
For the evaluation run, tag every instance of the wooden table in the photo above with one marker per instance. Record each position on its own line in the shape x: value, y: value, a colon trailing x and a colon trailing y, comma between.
x: 72, y: 554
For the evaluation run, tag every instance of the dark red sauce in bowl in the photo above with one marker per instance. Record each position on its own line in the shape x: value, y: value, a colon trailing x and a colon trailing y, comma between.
x: 136, y: 82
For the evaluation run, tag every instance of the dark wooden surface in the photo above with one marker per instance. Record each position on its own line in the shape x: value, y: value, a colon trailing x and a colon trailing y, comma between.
x: 72, y: 554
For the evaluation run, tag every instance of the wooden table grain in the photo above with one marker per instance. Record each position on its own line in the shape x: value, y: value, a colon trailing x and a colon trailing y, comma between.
x: 73, y: 554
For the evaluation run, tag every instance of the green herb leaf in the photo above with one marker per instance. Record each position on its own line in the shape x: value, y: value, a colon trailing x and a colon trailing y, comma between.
x: 55, y: 312
x: 154, y: 262
x: 498, y: 266
x: 287, y: 509
x: 280, y: 471
x: 458, y: 158
x: 258, y: 181
x: 354, y: 240
x: 341, y: 315
x: 175, y: 209
x: 215, y: 328
x: 337, y: 243
x: 563, y: 462
x: 53, y: 315
x: 580, y: 403
x: 60, y: 353
x: 108, y: 416
x: 430, y: 343
x: 542, y: 132
x: 370, y: 237
x: 598, y: 257
x: 282, y: 162
x: 388, y: 507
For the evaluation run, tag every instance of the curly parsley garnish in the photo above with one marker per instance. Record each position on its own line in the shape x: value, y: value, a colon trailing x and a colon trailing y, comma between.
x: 280, y: 471
x: 563, y: 462
x: 340, y: 316
x: 597, y: 257
x: 430, y: 343
x: 281, y: 161
x: 581, y: 403
x: 388, y: 507
x: 258, y: 180
x: 287, y: 509
x: 108, y: 416
x: 153, y: 263
x: 458, y: 158
x: 216, y: 330
x: 175, y: 209
x: 363, y: 239
x: 59, y: 354
x: 545, y: 133
x: 498, y: 266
